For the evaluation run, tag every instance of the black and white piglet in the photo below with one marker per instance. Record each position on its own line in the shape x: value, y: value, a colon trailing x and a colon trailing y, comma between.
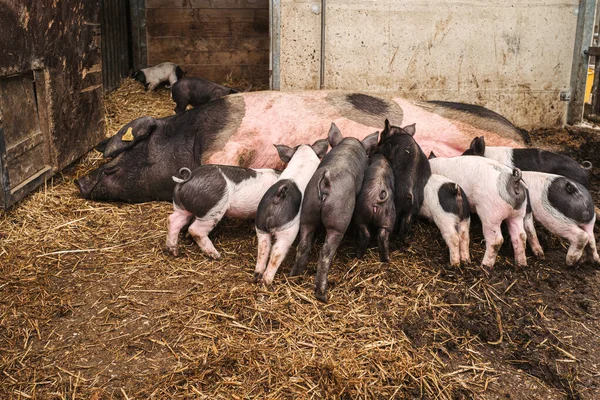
x: 151, y: 77
x: 278, y: 214
x: 210, y: 192
x: 565, y: 208
x: 375, y: 206
x: 329, y: 200
x: 446, y: 204
x: 533, y: 160
x: 197, y: 91
x: 411, y: 171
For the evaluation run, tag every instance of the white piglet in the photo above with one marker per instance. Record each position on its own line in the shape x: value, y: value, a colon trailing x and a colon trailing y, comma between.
x: 496, y: 193
x: 210, y: 192
x: 278, y: 214
x: 447, y: 205
x: 151, y: 77
x: 565, y: 208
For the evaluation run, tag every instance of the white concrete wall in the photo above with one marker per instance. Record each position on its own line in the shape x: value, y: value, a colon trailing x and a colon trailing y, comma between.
x: 513, y: 57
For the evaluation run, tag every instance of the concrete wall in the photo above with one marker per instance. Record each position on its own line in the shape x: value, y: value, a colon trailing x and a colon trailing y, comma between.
x: 513, y: 57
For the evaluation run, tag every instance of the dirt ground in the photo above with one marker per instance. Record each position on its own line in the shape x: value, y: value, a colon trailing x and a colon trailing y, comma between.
x: 92, y: 307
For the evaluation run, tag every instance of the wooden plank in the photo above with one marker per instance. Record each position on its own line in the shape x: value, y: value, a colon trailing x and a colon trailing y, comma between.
x: 207, y: 4
x: 258, y: 75
x: 194, y: 16
x: 207, y: 57
x: 173, y: 44
x: 210, y: 29
x: 18, y: 108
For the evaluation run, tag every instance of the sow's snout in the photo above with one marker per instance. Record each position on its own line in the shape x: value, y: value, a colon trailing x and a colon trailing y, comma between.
x: 85, y: 186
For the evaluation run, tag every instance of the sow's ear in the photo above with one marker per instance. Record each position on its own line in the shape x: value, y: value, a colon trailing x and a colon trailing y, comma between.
x: 129, y: 135
x: 477, y: 147
x: 334, y: 135
x: 410, y: 129
x: 285, y: 152
x: 370, y: 142
x: 320, y: 147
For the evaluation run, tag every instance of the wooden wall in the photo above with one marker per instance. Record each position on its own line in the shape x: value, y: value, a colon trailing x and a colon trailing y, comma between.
x: 211, y: 39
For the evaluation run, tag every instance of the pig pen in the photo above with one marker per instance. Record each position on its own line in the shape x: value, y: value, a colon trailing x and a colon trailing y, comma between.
x: 92, y: 307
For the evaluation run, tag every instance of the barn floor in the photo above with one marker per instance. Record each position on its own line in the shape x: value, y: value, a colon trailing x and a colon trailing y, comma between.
x: 91, y: 307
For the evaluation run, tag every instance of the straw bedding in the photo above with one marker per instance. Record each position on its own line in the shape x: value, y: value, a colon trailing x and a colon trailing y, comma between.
x: 92, y: 307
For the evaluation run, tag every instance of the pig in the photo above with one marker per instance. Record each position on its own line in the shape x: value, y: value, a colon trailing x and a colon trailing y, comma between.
x: 210, y: 192
x: 375, y: 206
x: 447, y: 205
x: 151, y: 77
x: 240, y: 130
x: 566, y: 208
x: 533, y: 160
x: 329, y: 200
x: 197, y: 91
x: 411, y: 172
x: 278, y: 214
x: 496, y: 193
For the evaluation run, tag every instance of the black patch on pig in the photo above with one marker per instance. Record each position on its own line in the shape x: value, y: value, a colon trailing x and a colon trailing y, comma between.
x: 237, y: 174
x: 179, y: 72
x: 447, y: 197
x: 571, y: 199
x: 549, y: 162
x: 528, y: 210
x: 279, y: 205
x: 368, y: 104
x: 472, y: 109
x: 202, y: 192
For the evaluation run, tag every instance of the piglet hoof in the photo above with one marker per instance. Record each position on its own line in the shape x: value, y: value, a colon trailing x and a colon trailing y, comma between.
x: 486, y: 269
x: 321, y: 295
x: 173, y: 250
x: 384, y: 259
x: 295, y: 271
x: 257, y: 277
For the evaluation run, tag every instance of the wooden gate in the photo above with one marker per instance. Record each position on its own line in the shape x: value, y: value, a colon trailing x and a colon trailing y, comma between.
x: 116, y: 42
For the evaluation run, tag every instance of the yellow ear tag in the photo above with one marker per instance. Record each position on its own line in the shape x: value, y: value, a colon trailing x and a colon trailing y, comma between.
x: 128, y: 136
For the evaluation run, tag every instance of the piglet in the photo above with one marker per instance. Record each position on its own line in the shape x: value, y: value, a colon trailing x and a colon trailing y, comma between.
x: 151, y: 77
x: 411, y: 170
x: 375, y: 206
x: 446, y: 204
x: 278, y: 214
x: 329, y: 200
x: 565, y: 208
x: 197, y: 91
x: 496, y: 193
x: 210, y: 192
x: 533, y: 160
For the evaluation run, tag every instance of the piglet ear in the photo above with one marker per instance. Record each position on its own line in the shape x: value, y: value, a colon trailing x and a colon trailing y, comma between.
x: 370, y: 142
x: 285, y: 152
x: 431, y: 155
x: 334, y: 135
x: 410, y: 129
x: 478, y: 146
x: 386, y: 131
x: 320, y: 147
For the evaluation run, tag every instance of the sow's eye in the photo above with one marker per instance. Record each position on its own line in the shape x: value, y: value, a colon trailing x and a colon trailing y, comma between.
x: 111, y: 170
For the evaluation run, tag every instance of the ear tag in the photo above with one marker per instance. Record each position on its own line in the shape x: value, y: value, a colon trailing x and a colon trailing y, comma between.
x: 128, y: 136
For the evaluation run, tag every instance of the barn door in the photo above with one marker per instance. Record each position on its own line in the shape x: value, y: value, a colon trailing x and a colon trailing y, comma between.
x: 116, y: 42
x: 25, y: 158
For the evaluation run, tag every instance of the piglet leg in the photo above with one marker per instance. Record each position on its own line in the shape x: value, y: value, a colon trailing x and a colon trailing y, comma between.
x: 590, y: 249
x: 307, y: 233
x: 518, y: 237
x: 579, y: 240
x: 383, y: 239
x: 175, y: 222
x: 264, y: 248
x: 463, y: 240
x: 332, y: 242
x: 532, y: 236
x: 199, y: 231
x: 284, y: 240
x: 364, y: 236
x: 493, y: 242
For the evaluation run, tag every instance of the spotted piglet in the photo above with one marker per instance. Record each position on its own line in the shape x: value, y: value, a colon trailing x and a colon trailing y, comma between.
x: 278, y: 214
x: 565, y: 208
x: 446, y: 204
x: 329, y: 200
x: 496, y: 193
x: 375, y: 206
x: 151, y: 77
x: 210, y: 192
x: 533, y: 160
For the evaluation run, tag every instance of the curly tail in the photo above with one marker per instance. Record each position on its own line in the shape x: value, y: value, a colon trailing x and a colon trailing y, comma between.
x: 324, y: 186
x: 587, y: 165
x: 185, y: 173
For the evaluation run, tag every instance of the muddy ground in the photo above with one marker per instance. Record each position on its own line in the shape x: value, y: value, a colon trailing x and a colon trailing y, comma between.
x: 92, y: 307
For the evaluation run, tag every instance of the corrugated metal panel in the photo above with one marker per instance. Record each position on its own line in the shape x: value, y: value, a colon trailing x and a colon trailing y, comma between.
x: 116, y: 36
